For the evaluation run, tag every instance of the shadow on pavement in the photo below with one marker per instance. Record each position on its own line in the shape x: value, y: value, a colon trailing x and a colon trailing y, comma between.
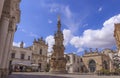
x: 34, y: 76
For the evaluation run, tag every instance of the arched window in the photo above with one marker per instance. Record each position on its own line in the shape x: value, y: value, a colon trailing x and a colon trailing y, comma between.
x: 92, y: 66
x: 40, y: 51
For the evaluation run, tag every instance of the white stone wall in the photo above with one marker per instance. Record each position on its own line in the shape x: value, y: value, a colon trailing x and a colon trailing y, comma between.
x: 18, y: 51
x: 74, y: 64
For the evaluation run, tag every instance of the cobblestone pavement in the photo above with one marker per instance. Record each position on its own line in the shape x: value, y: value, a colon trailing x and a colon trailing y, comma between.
x: 48, y: 75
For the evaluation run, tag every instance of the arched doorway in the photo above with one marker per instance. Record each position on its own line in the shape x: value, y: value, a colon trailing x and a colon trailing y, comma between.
x: 92, y: 66
x: 39, y: 67
x: 105, y: 65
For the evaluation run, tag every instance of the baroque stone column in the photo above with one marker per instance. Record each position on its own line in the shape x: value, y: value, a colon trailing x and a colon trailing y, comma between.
x: 8, y: 45
x: 10, y: 17
x: 58, y: 61
x: 4, y: 22
x: 3, y: 33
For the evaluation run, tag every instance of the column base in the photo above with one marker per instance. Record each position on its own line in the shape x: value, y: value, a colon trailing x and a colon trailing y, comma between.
x: 4, y: 73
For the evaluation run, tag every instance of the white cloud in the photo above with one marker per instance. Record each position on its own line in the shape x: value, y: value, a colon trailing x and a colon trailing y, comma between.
x: 52, y: 7
x: 100, y: 9
x: 67, y: 36
x: 67, y: 12
x: 33, y: 35
x: 50, y: 21
x: 50, y: 41
x: 85, y: 25
x: 22, y: 30
x: 69, y: 18
x: 100, y: 38
x: 17, y: 44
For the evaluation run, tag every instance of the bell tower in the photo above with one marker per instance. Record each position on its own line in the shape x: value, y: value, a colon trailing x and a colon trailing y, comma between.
x: 58, y: 61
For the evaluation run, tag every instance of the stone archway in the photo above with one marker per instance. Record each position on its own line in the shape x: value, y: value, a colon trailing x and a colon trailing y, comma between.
x: 92, y: 66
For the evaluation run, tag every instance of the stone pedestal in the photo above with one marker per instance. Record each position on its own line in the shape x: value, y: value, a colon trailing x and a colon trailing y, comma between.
x: 58, y: 65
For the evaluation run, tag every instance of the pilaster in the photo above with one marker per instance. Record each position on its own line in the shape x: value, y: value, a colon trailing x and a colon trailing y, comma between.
x: 3, y: 34
x: 7, y: 48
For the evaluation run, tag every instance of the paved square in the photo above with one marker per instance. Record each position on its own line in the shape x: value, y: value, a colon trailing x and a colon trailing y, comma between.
x: 48, y: 75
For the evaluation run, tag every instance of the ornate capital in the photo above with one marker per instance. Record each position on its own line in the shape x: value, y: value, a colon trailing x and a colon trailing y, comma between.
x: 15, y: 9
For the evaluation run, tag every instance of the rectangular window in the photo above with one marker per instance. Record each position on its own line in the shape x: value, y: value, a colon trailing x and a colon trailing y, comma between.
x: 13, y: 55
x: 40, y: 51
x: 28, y: 57
x: 22, y: 56
x: 74, y: 59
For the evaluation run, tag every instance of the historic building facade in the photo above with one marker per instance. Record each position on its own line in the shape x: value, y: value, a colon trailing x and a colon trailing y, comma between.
x: 74, y: 63
x: 39, y: 54
x: 34, y: 56
x: 9, y: 17
x: 95, y: 61
x: 20, y: 57
x: 90, y: 62
x: 117, y: 38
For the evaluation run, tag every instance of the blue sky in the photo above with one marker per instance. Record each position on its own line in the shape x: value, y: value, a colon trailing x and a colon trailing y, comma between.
x: 85, y: 23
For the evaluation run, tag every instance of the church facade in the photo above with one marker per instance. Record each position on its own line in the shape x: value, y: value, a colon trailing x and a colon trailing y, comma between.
x: 95, y: 61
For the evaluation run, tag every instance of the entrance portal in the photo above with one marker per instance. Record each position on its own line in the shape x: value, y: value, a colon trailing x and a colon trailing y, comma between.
x: 92, y: 66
